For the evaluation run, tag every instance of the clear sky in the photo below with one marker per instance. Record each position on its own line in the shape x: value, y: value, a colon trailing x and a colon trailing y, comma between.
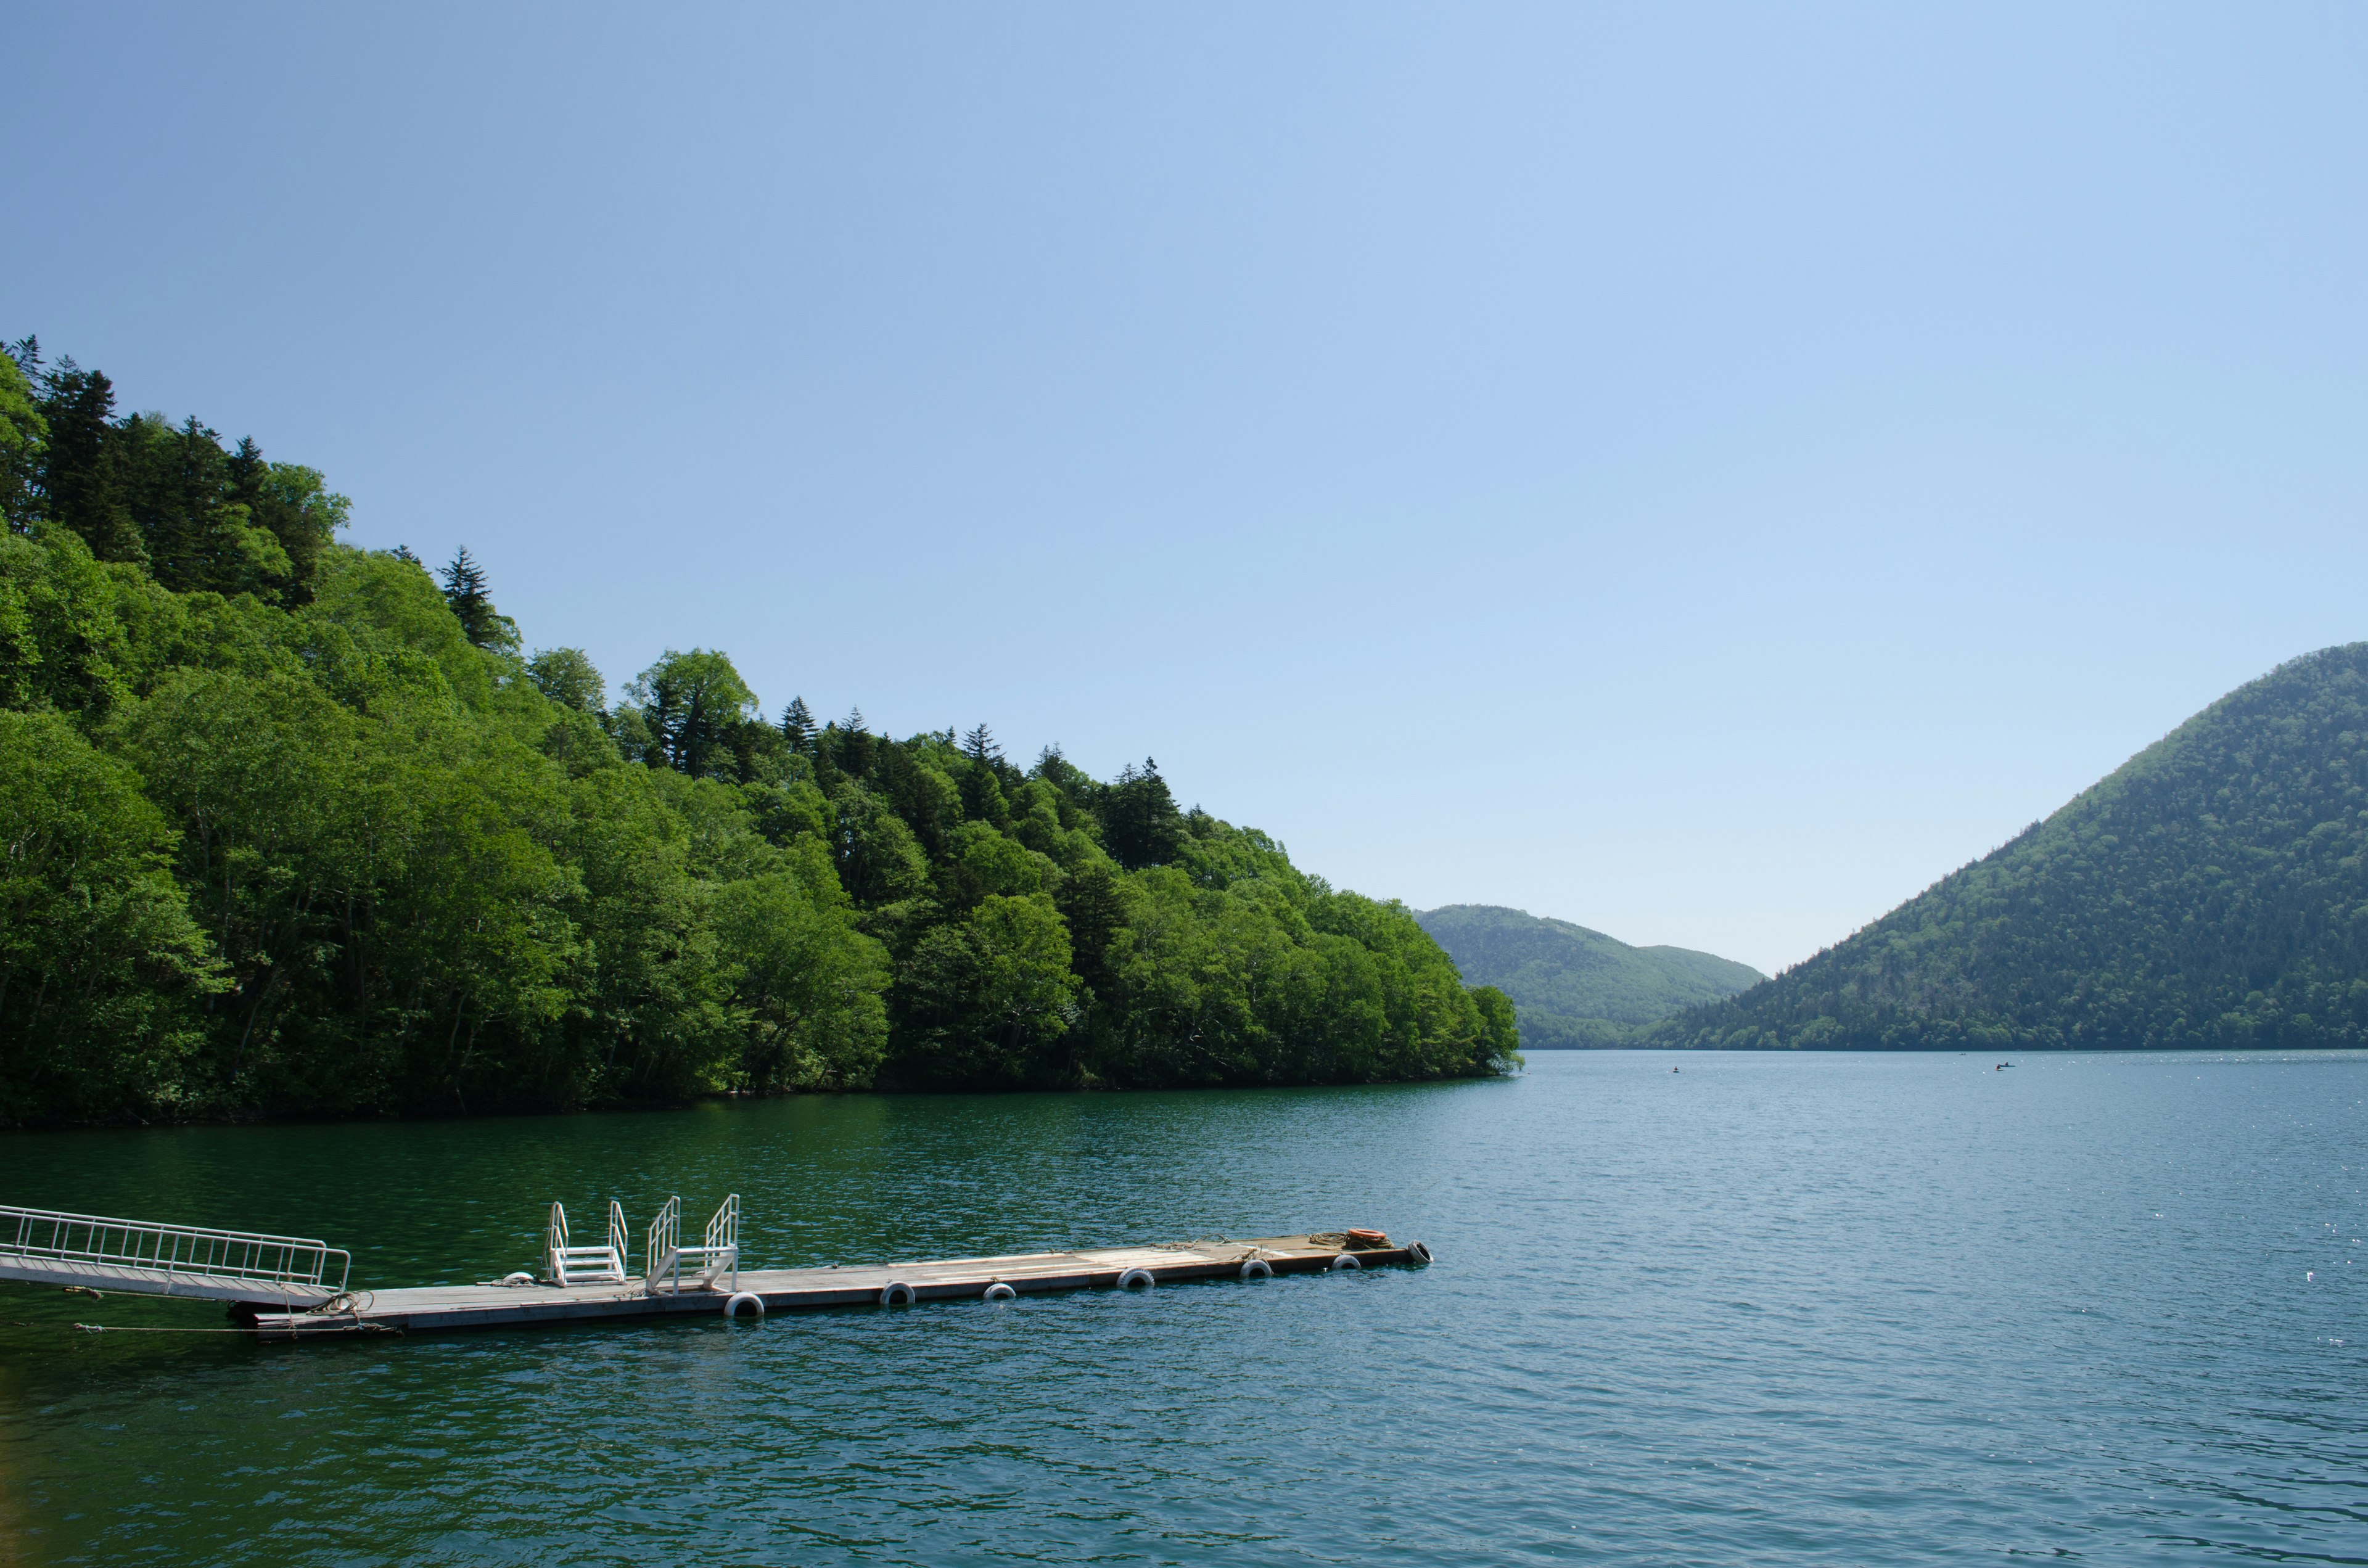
x: 1700, y: 471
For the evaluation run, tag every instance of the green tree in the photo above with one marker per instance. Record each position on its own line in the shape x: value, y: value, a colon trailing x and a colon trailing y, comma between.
x: 77, y: 479
x: 808, y: 983
x: 797, y: 726
x: 567, y: 675
x: 465, y: 593
x: 23, y: 433
x: 100, y: 965
x: 1141, y: 825
x: 981, y: 1001
x: 696, y: 707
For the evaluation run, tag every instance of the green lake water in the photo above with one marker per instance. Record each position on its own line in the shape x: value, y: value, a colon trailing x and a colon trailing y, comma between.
x: 1769, y: 1309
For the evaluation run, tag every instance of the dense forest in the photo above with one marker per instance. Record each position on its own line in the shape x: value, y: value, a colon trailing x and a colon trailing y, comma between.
x: 291, y: 827
x: 1574, y: 989
x: 2211, y: 892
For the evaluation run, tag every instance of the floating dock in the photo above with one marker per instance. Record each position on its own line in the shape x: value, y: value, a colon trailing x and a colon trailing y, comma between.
x: 444, y: 1308
x: 295, y: 1287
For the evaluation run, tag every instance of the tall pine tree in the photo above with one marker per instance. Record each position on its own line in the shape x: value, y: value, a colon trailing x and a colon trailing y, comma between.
x: 464, y: 590
x: 798, y: 726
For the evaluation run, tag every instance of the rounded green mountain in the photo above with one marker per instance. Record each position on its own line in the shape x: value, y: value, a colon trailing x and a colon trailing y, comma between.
x: 2211, y: 892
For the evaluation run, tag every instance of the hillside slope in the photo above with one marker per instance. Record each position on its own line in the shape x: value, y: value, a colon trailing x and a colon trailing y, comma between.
x: 286, y: 828
x: 1573, y: 987
x: 2211, y: 892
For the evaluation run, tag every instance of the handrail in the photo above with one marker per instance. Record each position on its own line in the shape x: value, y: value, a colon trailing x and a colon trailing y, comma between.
x: 195, y: 1251
x: 665, y: 1235
x: 718, y: 1252
x: 724, y: 1231
x: 593, y: 1263
x: 554, y: 1244
x: 721, y: 1248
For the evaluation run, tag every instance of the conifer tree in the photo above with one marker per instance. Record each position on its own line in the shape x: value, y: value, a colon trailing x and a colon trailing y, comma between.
x: 78, y: 474
x: 464, y: 590
x: 979, y: 746
x: 798, y: 726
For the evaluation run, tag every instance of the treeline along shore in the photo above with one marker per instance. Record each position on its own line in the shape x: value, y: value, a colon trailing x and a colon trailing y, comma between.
x: 288, y: 828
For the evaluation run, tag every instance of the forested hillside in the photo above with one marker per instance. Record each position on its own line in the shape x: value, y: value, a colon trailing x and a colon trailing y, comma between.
x: 290, y: 827
x: 2212, y: 892
x: 1572, y: 988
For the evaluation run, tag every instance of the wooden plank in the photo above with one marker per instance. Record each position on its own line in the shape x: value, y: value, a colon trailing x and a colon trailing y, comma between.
x: 442, y: 1308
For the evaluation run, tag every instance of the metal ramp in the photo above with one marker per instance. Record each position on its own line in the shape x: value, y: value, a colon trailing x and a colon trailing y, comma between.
x: 138, y: 1256
x: 602, y: 1263
x: 718, y: 1255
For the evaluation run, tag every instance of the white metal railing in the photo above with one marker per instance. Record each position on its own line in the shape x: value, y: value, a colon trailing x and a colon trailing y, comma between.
x: 717, y: 1253
x: 601, y: 1264
x: 665, y: 1233
x: 139, y: 1255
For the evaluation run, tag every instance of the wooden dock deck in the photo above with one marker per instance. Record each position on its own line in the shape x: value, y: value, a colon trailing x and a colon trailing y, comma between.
x: 444, y: 1308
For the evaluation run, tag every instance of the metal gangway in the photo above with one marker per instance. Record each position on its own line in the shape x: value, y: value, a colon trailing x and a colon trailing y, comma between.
x: 719, y: 1254
x: 597, y: 1263
x: 50, y: 1247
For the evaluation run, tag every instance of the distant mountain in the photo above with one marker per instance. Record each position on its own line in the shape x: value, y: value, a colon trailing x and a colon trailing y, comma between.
x: 1573, y: 988
x: 2211, y: 892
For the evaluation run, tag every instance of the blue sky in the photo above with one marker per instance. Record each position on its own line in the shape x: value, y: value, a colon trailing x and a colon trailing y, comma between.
x: 1700, y: 471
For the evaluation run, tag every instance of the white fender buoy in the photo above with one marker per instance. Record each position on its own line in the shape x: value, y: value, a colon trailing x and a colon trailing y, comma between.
x: 1347, y: 1260
x: 1256, y: 1268
x: 1421, y: 1251
x: 732, y: 1307
x: 517, y: 1279
x: 999, y: 1291
x: 898, y: 1291
x: 1133, y: 1276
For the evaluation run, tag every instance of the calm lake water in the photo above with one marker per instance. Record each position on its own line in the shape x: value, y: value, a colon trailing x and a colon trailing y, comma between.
x: 1769, y: 1309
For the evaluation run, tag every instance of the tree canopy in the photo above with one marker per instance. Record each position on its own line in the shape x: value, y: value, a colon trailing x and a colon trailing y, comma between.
x: 291, y: 827
x: 2212, y: 892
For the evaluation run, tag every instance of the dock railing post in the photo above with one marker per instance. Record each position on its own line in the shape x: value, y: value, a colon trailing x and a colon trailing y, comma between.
x: 663, y: 1242
x: 554, y: 1246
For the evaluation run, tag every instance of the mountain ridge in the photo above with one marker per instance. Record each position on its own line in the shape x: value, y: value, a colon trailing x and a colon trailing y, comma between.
x: 1573, y: 988
x: 2210, y: 891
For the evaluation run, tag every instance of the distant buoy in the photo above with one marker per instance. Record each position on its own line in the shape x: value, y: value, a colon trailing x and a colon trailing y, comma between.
x: 732, y: 1307
x: 1256, y: 1268
x: 1347, y: 1260
x: 999, y: 1291
x: 898, y: 1293
x: 1133, y: 1276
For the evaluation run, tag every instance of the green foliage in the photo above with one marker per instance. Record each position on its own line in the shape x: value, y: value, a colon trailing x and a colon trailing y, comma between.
x: 290, y: 827
x: 2212, y: 892
x: 567, y: 675
x: 23, y: 433
x: 1578, y: 989
x: 100, y: 965
x: 465, y: 596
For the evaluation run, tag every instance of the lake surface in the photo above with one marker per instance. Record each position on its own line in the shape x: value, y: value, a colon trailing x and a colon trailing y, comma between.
x: 1846, y: 1309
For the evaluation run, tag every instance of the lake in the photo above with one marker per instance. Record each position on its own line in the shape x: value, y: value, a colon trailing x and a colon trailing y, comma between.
x: 1849, y: 1308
